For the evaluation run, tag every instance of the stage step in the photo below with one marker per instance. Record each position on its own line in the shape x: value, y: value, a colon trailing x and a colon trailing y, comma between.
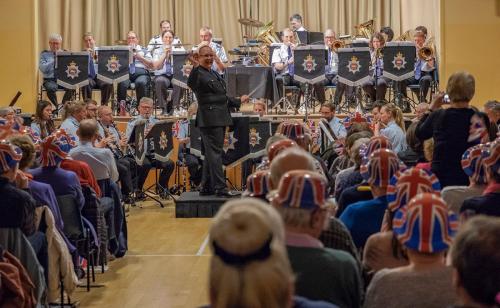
x: 191, y: 204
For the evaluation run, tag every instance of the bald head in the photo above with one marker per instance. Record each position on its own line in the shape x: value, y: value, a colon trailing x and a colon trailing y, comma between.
x: 290, y: 159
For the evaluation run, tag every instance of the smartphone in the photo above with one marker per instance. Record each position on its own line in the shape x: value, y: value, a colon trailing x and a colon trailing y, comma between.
x: 446, y: 99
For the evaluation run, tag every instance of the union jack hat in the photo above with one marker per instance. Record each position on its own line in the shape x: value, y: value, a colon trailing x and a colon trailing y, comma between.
x: 376, y: 142
x: 478, y: 133
x: 407, y: 184
x: 34, y: 136
x: 7, y: 128
x: 258, y: 184
x: 356, y: 117
x: 491, y: 156
x: 472, y: 163
x: 278, y: 146
x: 10, y: 155
x: 381, y: 166
x: 426, y: 225
x: 301, y: 189
x: 293, y: 130
x: 55, y: 148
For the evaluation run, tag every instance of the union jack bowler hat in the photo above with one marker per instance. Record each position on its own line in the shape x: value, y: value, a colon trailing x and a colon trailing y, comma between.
x: 381, y: 166
x: 10, y: 155
x: 278, y: 146
x: 55, y: 148
x: 301, y: 189
x: 258, y: 184
x: 472, y: 163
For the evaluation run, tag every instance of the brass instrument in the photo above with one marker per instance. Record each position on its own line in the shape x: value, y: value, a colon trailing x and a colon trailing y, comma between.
x: 428, y: 51
x: 406, y: 36
x: 365, y: 29
x: 267, y: 36
x: 338, y: 44
x: 379, y: 53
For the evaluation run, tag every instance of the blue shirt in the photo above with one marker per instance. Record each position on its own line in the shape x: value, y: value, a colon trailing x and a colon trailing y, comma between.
x: 396, y: 136
x: 338, y: 127
x: 364, y: 218
x: 70, y: 125
x: 46, y: 63
x: 100, y: 160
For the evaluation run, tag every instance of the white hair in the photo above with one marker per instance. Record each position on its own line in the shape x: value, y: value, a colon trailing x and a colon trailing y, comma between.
x: 55, y: 37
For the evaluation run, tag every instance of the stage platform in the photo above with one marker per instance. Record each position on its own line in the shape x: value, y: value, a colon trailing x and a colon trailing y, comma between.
x: 191, y: 204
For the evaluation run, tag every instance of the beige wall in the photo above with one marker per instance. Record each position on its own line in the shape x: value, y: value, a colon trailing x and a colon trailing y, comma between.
x: 18, y: 53
x: 470, y: 32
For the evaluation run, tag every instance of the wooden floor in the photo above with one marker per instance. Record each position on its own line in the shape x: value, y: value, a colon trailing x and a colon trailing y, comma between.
x: 166, y: 265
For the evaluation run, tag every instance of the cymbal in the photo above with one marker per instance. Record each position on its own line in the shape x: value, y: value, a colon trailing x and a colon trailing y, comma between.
x: 121, y: 42
x: 250, y: 22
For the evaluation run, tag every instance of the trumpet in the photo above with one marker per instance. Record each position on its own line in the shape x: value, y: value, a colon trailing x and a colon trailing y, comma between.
x: 337, y: 44
x: 428, y: 50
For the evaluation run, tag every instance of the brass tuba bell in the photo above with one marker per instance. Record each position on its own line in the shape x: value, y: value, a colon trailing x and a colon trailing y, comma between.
x: 267, y: 36
x: 365, y: 29
x: 407, y: 36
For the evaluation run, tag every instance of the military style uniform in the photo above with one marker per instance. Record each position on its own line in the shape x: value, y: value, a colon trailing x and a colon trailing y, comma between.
x: 139, y: 75
x: 94, y: 83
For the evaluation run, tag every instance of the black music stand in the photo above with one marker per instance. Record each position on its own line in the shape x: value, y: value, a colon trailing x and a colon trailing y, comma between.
x: 399, y: 63
x: 354, y: 70
x: 182, y: 67
x: 309, y: 66
x: 137, y: 140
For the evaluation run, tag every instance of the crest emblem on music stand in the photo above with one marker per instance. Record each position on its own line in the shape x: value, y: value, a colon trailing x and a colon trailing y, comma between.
x: 354, y: 66
x: 163, y: 140
x: 399, y: 61
x: 309, y: 64
x: 113, y: 64
x: 186, y: 68
x: 229, y: 141
x: 254, y: 137
x: 72, y: 70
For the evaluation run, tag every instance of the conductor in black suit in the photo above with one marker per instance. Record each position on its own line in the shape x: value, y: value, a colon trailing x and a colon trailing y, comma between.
x: 212, y: 118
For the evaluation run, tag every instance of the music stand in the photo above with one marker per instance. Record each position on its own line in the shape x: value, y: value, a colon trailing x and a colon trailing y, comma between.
x: 72, y: 70
x: 309, y: 66
x: 182, y: 66
x: 399, y: 63
x: 354, y: 70
x: 113, y: 67
x: 138, y: 140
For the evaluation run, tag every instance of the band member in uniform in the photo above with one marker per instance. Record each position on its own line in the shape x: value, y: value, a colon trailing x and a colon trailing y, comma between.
x: 167, y: 168
x: 94, y: 83
x: 220, y: 57
x: 47, y: 66
x: 156, y: 41
x: 259, y: 107
x: 376, y: 87
x: 138, y: 73
x: 296, y: 23
x: 212, y: 118
x: 282, y: 61
x: 114, y: 140
x: 331, y: 71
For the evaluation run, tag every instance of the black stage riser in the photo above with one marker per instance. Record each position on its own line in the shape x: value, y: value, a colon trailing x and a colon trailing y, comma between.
x: 191, y: 204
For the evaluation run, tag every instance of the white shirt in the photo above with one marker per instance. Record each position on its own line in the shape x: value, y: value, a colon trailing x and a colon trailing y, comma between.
x: 280, y: 55
x: 332, y: 65
x: 156, y: 43
x: 143, y: 52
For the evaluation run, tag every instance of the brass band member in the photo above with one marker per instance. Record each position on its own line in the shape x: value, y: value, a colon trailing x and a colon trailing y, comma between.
x: 376, y: 87
x: 157, y: 41
x: 282, y: 60
x: 220, y: 59
x: 296, y: 23
x: 94, y: 83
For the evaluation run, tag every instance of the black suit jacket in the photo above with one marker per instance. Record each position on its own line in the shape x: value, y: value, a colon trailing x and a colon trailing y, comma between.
x: 213, y: 103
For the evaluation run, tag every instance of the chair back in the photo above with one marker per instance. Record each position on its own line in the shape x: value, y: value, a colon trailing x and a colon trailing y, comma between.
x: 71, y: 216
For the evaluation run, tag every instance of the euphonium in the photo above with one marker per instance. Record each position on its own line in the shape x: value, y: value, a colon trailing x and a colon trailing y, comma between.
x: 365, y: 29
x: 267, y: 36
x: 407, y: 36
x: 428, y: 51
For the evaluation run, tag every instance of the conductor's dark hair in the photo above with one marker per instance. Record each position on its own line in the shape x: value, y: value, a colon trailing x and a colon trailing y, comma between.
x: 296, y: 16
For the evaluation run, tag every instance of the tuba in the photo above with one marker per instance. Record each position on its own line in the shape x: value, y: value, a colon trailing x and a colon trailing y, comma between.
x: 267, y: 36
x: 407, y: 36
x: 428, y: 51
x: 365, y: 29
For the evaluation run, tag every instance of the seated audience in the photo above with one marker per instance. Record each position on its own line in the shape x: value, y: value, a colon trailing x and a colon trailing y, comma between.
x: 74, y: 113
x: 364, y: 218
x: 321, y: 273
x: 475, y: 259
x: 472, y: 163
x: 414, y: 153
x: 428, y: 153
x: 293, y: 158
x: 426, y: 228
x: 258, y: 185
x: 391, y: 126
x: 264, y: 164
x: 246, y: 238
x: 43, y: 124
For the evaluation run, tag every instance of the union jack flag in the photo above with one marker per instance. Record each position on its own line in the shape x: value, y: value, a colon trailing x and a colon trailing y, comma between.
x: 472, y: 163
x: 10, y: 155
x: 55, y: 148
x: 278, y: 146
x: 409, y: 183
x: 491, y: 156
x: 258, y: 184
x: 301, y: 189
x: 381, y: 166
x: 426, y: 225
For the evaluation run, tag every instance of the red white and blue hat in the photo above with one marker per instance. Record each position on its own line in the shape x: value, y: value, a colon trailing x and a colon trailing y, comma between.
x: 376, y: 142
x: 7, y: 129
x: 10, y: 155
x: 293, y: 130
x: 34, y: 136
x: 356, y: 117
x: 491, y: 156
x: 278, y: 146
x: 426, y: 225
x: 302, y: 189
x: 55, y: 148
x: 407, y: 184
x: 258, y: 184
x: 381, y: 167
x: 472, y: 163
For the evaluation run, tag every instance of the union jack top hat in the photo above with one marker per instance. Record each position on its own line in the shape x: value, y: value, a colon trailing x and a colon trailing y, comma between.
x: 302, y: 189
x: 377, y: 142
x: 55, y: 148
x: 258, y: 184
x: 278, y: 147
x: 10, y: 155
x: 381, y: 166
x: 472, y: 163
x: 426, y: 225
x: 407, y: 184
x: 491, y: 156
x: 293, y: 130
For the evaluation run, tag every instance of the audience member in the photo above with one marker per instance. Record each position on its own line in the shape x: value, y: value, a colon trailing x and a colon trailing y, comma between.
x: 414, y: 153
x: 43, y: 124
x: 74, y: 113
x: 293, y: 158
x: 392, y: 127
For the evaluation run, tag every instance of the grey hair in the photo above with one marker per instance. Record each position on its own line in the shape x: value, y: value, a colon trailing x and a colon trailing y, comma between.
x: 55, y: 37
x: 5, y: 110
x: 281, y: 163
x: 146, y: 100
x: 297, y: 218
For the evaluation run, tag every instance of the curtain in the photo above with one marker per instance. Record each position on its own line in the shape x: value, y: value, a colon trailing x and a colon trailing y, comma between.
x: 110, y: 20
